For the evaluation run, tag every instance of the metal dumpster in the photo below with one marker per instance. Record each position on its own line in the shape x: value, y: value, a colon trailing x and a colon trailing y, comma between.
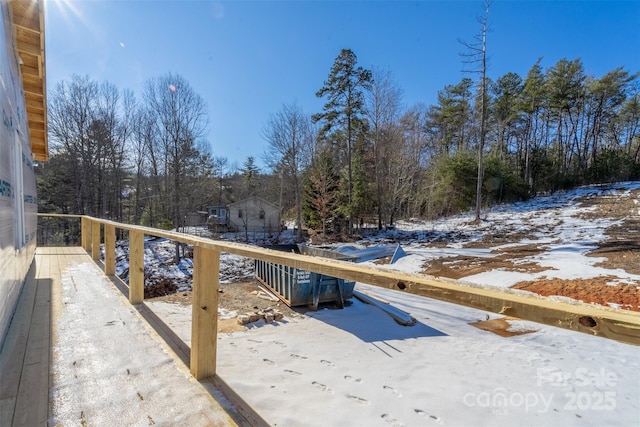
x: 297, y: 287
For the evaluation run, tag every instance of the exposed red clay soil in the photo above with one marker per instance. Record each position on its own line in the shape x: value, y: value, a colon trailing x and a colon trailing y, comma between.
x: 597, y: 290
x: 620, y: 250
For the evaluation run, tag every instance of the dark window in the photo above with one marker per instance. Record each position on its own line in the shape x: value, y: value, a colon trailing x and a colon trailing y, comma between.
x: 239, y: 213
x: 261, y: 214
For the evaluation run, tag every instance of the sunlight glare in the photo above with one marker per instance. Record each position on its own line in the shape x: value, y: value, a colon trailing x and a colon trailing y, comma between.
x: 67, y: 8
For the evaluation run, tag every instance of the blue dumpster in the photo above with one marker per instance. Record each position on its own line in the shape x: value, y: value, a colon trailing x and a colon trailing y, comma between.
x: 297, y: 287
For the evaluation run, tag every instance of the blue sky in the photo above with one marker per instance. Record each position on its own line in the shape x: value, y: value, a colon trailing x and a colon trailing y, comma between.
x: 248, y: 58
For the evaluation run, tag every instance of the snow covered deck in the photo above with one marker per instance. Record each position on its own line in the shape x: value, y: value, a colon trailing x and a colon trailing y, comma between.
x: 77, y: 353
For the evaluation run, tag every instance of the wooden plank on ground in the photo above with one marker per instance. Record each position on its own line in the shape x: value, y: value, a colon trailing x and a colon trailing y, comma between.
x: 402, y: 317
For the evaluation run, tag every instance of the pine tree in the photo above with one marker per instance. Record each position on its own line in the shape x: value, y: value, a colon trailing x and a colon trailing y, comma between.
x: 250, y: 173
x: 344, y: 90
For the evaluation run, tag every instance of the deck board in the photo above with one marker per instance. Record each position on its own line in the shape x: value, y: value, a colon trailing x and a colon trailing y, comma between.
x: 14, y: 349
x: 25, y: 359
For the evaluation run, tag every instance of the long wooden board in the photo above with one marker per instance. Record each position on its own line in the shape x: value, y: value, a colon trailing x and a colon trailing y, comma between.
x: 620, y: 325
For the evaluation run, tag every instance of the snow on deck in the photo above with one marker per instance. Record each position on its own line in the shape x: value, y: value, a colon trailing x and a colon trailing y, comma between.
x: 110, y: 368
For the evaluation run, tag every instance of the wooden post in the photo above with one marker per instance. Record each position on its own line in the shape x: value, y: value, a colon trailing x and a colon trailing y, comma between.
x: 136, y: 267
x: 204, y: 322
x: 86, y: 234
x: 95, y: 240
x: 109, y: 250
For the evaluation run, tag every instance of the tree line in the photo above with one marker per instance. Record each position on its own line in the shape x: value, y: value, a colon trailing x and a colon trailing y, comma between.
x: 139, y: 161
x: 371, y: 161
x: 365, y: 160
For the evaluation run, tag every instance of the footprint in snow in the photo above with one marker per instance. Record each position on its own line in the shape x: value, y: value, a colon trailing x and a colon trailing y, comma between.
x: 322, y: 387
x: 391, y: 421
x: 424, y: 414
x: 269, y: 362
x: 328, y: 363
x: 350, y: 378
x: 392, y: 390
x: 358, y: 400
x: 280, y: 343
x: 290, y: 372
x: 297, y: 356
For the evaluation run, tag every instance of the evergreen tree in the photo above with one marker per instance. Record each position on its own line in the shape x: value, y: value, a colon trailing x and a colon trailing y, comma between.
x: 250, y: 174
x: 344, y: 89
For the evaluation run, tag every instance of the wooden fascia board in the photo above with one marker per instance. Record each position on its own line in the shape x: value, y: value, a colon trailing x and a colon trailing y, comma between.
x: 28, y: 24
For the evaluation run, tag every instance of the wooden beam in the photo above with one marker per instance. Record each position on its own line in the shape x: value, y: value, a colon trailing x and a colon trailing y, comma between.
x: 36, y: 116
x: 616, y: 324
x: 204, y: 324
x: 109, y: 250
x: 136, y: 267
x: 95, y: 240
x: 36, y: 104
x: 26, y: 14
x: 33, y: 88
x: 86, y: 233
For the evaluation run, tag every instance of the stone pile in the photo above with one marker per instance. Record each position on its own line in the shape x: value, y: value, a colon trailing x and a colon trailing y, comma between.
x: 269, y: 315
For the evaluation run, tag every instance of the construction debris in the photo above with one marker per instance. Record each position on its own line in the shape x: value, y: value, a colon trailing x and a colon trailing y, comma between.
x: 269, y: 315
x: 401, y: 317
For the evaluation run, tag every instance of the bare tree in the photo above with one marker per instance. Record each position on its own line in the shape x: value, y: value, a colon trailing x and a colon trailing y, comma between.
x: 180, y: 121
x: 383, y: 104
x: 87, y: 127
x: 476, y: 55
x: 71, y: 112
x: 290, y: 139
x: 220, y: 173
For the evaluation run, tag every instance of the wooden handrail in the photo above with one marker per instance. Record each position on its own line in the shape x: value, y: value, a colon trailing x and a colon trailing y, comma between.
x: 616, y: 324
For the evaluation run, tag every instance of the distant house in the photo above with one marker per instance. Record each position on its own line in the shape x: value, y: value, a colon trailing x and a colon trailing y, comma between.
x: 193, y: 219
x: 254, y: 215
x: 218, y: 218
x: 219, y: 214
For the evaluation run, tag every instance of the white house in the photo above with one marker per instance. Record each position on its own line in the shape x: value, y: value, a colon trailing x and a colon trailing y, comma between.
x: 254, y: 215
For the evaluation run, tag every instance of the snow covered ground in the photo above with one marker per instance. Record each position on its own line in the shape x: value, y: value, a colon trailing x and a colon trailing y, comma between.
x: 357, y: 367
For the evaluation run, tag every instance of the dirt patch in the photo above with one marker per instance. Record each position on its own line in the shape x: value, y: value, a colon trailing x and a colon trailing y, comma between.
x: 242, y: 297
x: 599, y: 290
x: 501, y: 327
x: 507, y: 259
x: 619, y: 250
x: 622, y: 246
x: 503, y: 237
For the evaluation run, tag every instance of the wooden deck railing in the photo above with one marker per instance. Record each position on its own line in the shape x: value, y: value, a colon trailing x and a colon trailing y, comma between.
x: 620, y: 325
